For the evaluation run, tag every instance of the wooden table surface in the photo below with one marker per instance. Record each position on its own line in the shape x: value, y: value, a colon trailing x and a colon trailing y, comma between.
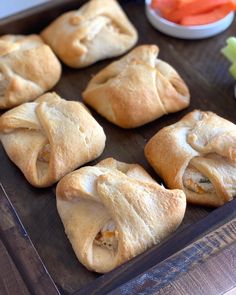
x: 21, y: 269
x: 198, y: 259
x: 205, y: 267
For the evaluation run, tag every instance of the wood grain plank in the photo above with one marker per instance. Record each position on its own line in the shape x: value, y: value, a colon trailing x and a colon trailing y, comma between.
x: 189, y: 262
x: 216, y: 275
x: 10, y: 279
x: 21, y: 250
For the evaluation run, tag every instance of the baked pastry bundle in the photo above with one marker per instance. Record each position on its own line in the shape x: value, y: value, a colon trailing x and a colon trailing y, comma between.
x: 197, y: 155
x: 50, y: 137
x: 28, y: 68
x: 114, y: 211
x: 98, y: 30
x: 137, y: 89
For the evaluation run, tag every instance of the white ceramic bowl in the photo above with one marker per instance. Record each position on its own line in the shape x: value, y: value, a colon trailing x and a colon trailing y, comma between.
x: 185, y: 32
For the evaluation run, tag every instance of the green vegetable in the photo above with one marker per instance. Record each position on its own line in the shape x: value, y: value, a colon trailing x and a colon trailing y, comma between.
x: 232, y: 70
x: 229, y: 51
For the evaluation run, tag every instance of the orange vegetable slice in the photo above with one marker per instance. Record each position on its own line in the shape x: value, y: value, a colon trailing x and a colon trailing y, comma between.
x: 196, y: 7
x: 207, y: 18
x: 164, y: 6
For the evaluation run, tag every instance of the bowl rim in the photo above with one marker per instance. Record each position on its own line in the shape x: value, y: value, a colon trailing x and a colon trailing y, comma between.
x: 178, y: 26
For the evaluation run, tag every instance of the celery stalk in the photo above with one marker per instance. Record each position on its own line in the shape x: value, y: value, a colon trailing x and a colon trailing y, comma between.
x: 231, y: 41
x: 232, y: 70
x: 229, y: 51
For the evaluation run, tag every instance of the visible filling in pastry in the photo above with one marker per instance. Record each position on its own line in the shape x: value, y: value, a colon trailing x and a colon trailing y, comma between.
x: 196, y: 182
x: 44, y: 154
x: 113, y: 27
x: 107, y: 237
x: 101, y: 23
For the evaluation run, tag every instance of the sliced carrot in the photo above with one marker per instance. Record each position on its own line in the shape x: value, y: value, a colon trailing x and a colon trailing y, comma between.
x: 164, y: 6
x: 196, y: 7
x: 207, y: 18
x: 154, y: 4
x: 184, y: 2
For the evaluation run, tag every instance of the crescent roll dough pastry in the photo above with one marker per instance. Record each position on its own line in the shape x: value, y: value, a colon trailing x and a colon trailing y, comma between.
x: 28, y: 68
x: 137, y: 89
x: 50, y: 137
x: 98, y: 30
x: 197, y: 155
x: 114, y: 211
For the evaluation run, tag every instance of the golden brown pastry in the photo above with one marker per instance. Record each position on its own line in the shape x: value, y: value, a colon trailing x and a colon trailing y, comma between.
x: 137, y: 89
x: 50, y: 137
x: 28, y: 68
x: 98, y: 30
x: 198, y: 155
x: 114, y: 211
